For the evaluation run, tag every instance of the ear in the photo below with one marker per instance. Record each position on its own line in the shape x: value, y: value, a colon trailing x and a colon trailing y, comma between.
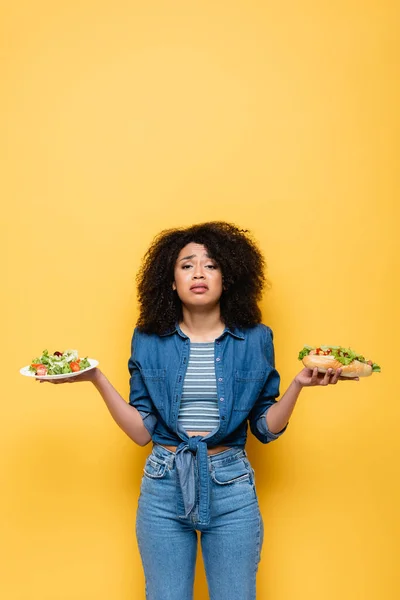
x: 174, y: 286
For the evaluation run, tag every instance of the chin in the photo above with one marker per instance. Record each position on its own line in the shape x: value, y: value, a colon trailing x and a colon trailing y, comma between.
x: 200, y: 301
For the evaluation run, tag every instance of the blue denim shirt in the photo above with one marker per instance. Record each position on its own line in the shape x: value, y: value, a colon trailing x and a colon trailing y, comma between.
x: 247, y: 386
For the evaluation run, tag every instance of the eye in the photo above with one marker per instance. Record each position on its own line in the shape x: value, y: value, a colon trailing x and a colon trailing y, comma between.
x: 211, y: 267
x: 185, y: 267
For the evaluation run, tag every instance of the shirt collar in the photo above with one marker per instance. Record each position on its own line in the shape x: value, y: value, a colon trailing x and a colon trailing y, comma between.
x: 235, y: 332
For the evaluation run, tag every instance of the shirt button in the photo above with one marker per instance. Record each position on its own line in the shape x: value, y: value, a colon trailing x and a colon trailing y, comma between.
x: 220, y: 379
x: 218, y: 359
x: 221, y: 399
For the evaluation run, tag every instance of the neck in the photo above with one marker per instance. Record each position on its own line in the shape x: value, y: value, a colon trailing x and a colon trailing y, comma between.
x: 202, y: 326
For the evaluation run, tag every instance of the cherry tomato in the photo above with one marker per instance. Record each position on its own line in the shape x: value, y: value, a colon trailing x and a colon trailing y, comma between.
x: 74, y: 366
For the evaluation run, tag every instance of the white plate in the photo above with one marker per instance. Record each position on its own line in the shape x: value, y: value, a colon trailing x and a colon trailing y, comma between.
x: 25, y: 371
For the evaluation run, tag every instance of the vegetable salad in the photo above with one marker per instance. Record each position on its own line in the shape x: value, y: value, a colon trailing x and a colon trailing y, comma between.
x: 58, y: 363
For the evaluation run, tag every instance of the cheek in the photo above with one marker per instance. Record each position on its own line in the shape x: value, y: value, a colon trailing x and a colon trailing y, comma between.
x: 180, y: 277
x: 218, y: 279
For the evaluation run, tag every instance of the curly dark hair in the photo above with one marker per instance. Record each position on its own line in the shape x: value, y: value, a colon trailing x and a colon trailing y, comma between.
x: 236, y: 253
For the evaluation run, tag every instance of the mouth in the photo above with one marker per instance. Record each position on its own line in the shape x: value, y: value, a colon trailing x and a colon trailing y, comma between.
x: 199, y: 288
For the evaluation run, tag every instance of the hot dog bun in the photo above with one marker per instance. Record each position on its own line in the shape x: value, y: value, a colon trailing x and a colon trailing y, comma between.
x: 323, y: 363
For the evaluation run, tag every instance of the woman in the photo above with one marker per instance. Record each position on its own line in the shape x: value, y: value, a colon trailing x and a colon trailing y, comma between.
x: 202, y: 369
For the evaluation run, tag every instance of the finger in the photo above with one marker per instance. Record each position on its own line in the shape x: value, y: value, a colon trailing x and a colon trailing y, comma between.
x: 314, y: 377
x: 336, y: 376
x: 326, y: 377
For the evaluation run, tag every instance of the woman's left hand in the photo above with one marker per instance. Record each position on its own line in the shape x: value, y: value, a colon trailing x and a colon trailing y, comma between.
x: 310, y: 377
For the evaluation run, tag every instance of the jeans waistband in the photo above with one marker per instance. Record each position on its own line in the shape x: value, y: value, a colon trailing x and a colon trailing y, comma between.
x: 232, y: 453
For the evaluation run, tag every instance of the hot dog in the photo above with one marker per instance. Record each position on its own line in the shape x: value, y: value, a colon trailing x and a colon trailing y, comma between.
x: 337, y: 357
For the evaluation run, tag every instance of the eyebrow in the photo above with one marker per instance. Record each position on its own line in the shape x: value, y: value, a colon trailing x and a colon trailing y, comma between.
x: 191, y: 256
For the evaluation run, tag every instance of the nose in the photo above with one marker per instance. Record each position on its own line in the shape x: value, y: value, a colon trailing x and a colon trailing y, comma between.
x: 198, y: 273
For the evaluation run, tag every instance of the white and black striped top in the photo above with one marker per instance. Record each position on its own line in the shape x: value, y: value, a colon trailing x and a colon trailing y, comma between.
x: 199, y: 404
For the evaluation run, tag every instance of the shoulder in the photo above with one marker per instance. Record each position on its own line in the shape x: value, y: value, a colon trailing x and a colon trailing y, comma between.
x: 143, y: 339
x: 143, y: 335
x: 260, y: 330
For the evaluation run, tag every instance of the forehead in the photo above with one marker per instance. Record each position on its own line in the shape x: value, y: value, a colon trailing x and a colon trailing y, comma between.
x: 193, y: 249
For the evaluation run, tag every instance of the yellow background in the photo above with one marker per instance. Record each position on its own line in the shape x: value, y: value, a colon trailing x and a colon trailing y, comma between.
x: 120, y: 119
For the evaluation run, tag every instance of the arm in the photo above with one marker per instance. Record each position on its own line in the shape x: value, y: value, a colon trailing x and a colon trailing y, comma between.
x: 279, y: 414
x: 129, y: 418
x: 137, y: 419
x: 262, y: 427
x: 126, y: 416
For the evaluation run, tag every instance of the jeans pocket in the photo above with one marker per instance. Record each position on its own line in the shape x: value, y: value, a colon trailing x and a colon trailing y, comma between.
x: 230, y: 473
x: 251, y: 471
x: 154, y: 469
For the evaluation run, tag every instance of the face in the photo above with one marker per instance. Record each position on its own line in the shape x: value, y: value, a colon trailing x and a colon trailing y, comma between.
x: 197, y: 277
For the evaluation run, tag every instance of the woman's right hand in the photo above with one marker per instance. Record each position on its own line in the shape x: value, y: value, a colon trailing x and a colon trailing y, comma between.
x: 91, y: 376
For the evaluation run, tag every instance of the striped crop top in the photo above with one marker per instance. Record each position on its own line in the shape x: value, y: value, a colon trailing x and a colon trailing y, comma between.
x: 199, y: 404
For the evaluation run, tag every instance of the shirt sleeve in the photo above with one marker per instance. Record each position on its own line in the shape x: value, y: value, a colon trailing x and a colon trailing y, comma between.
x: 267, y: 397
x: 138, y: 394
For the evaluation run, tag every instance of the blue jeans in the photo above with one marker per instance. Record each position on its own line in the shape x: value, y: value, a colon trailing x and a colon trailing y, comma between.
x: 231, y: 542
